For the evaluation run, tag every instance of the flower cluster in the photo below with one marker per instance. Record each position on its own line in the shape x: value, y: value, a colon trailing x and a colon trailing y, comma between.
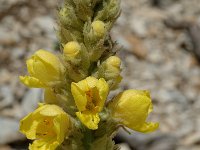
x: 76, y: 113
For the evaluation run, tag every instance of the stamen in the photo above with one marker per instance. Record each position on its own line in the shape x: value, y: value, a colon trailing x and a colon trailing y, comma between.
x: 47, y: 122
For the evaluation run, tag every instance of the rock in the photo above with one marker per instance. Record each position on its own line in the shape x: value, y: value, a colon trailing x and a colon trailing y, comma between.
x: 124, y: 146
x: 193, y: 139
x: 163, y: 3
x: 5, y: 147
x: 133, y: 45
x: 9, y: 130
x: 30, y: 100
x: 6, y: 96
x: 139, y: 26
x: 154, y: 141
x: 18, y: 53
x: 172, y: 95
x: 5, y: 58
x: 8, y: 35
x: 44, y: 25
x: 13, y: 112
x: 181, y: 147
x: 163, y: 143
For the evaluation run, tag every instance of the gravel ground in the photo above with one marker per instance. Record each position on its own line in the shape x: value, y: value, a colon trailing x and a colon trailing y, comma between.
x: 159, y: 54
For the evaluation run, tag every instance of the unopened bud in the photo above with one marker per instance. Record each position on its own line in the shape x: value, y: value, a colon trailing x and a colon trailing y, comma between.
x: 44, y: 68
x: 114, y: 61
x: 99, y: 28
x: 71, y: 49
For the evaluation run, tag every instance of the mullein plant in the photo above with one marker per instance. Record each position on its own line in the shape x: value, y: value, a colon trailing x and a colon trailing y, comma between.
x: 76, y: 114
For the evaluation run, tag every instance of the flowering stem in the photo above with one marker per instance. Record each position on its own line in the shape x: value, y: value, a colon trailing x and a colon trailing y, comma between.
x: 77, y: 83
x: 88, y: 139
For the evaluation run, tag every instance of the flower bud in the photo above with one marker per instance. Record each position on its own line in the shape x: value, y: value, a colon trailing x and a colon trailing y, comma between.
x: 112, y: 71
x: 44, y: 69
x: 114, y: 61
x: 131, y: 108
x: 99, y: 28
x: 71, y: 49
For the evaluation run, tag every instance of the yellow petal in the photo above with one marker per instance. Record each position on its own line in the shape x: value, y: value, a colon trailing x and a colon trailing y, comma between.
x: 45, y: 72
x: 48, y: 125
x: 83, y: 85
x: 38, y: 145
x: 91, y: 81
x: 45, y: 66
x: 131, y: 108
x: 89, y: 120
x: 29, y: 64
x: 48, y: 144
x: 103, y: 89
x: 79, y: 96
x: 61, y: 125
x: 136, y: 110
x: 90, y: 95
x: 147, y: 127
x: 28, y: 126
x: 48, y: 58
x: 51, y: 110
x: 31, y: 82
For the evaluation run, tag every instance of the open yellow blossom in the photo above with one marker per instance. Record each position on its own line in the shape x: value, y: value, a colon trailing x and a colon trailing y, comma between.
x: 48, y: 126
x: 90, y: 95
x: 131, y: 108
x: 44, y: 68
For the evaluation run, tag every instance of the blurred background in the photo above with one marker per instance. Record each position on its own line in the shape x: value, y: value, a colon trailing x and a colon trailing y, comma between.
x: 160, y: 51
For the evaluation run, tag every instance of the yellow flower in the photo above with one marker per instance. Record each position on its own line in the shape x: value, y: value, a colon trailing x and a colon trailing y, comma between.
x: 48, y: 125
x: 131, y: 108
x: 44, y: 68
x: 98, y: 28
x: 71, y: 49
x: 90, y: 95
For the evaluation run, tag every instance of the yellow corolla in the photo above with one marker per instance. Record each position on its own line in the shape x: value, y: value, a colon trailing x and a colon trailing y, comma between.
x: 44, y: 68
x: 131, y: 108
x: 90, y: 95
x: 47, y: 126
